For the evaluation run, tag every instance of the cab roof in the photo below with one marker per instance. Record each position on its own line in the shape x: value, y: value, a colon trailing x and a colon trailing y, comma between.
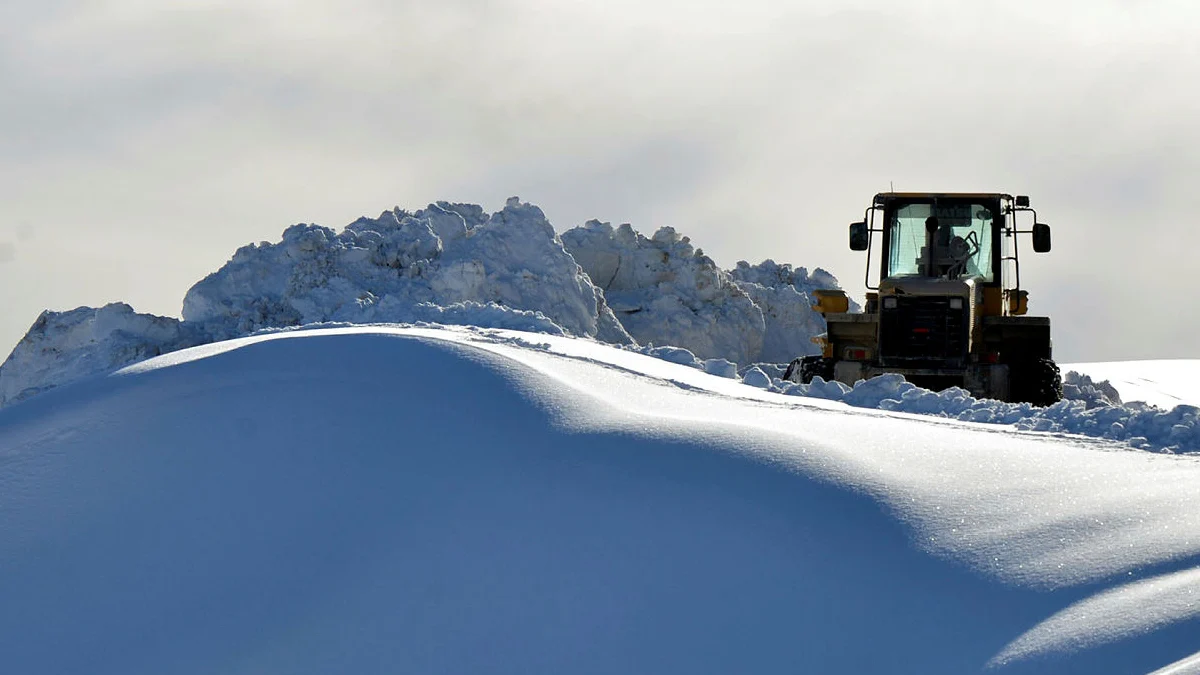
x: 887, y: 196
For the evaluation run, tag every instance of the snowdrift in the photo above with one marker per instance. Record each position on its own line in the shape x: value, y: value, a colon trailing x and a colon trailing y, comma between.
x: 461, y: 500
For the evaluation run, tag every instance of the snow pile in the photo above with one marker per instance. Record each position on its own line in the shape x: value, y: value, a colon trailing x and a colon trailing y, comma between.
x: 1080, y: 387
x: 447, y: 263
x: 1096, y: 415
x: 379, y: 270
x: 785, y: 296
x: 665, y: 292
x: 62, y: 347
x: 1162, y: 383
x: 1088, y: 408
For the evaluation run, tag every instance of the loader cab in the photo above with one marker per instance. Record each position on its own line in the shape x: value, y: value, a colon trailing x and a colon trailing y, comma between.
x: 947, y: 238
x: 928, y: 238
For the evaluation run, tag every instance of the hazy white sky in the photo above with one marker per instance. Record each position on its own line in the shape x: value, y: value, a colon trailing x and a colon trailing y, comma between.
x: 142, y: 141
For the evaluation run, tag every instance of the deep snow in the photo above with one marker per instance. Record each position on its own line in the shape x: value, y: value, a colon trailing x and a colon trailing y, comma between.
x: 465, y: 500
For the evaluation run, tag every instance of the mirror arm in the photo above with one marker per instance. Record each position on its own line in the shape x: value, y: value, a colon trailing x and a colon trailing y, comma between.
x: 869, y: 218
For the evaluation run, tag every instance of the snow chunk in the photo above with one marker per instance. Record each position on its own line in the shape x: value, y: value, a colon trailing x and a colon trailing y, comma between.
x: 720, y: 368
x: 62, y: 347
x: 1079, y: 387
x: 785, y: 296
x: 673, y: 355
x: 665, y: 292
x: 755, y: 377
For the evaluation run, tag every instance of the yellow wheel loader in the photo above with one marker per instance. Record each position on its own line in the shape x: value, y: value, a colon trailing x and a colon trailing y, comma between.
x: 948, y: 309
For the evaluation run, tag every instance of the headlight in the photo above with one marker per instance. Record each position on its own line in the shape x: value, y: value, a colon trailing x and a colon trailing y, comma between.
x: 956, y: 303
x: 889, y: 302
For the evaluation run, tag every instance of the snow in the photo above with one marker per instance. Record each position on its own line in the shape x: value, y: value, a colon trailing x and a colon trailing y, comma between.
x: 61, y: 347
x: 665, y: 292
x: 1136, y: 608
x: 453, y: 263
x: 378, y: 270
x: 1188, y: 666
x: 1089, y: 408
x: 461, y: 499
x: 1164, y: 384
x: 785, y: 296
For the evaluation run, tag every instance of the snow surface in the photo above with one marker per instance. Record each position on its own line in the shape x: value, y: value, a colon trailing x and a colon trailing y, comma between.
x: 371, y: 499
x: 1164, y: 384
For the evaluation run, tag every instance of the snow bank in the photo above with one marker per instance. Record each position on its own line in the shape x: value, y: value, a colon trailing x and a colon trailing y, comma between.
x: 62, y: 347
x: 1136, y: 424
x: 454, y: 264
x: 447, y: 263
x: 785, y: 296
x: 378, y: 270
x: 1089, y: 408
x: 665, y: 292
x: 1080, y: 387
x: 1162, y: 383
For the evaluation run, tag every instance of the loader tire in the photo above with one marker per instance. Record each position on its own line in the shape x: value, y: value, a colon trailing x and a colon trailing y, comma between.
x: 805, y: 368
x: 1036, y: 381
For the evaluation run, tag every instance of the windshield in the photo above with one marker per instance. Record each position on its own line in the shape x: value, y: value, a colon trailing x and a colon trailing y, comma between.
x: 962, y: 244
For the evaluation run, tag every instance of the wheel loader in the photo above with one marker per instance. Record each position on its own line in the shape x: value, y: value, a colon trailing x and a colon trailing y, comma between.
x: 947, y: 308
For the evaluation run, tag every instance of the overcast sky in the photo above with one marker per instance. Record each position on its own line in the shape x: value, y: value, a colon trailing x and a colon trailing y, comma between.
x: 143, y: 141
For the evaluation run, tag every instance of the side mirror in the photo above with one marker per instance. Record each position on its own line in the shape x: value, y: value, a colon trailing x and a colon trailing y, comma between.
x: 1022, y: 201
x: 1041, y: 238
x: 859, y: 237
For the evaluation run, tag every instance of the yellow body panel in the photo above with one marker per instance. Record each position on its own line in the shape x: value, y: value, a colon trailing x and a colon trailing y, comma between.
x: 993, y: 301
x: 1018, y: 302
x: 831, y: 302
